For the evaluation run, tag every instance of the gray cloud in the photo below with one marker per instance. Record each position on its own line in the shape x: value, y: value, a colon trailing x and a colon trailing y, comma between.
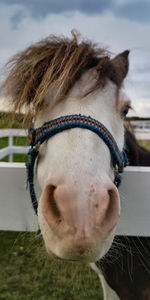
x: 41, y: 8
x: 17, y: 17
x: 133, y: 10
x: 139, y: 11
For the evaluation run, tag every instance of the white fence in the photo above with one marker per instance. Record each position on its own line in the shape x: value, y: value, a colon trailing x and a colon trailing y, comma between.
x: 11, y: 149
x: 142, y: 134
x: 141, y: 129
x: 141, y: 124
x: 16, y: 212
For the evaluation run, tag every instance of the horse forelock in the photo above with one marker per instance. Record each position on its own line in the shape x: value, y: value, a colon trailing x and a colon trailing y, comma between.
x: 54, y: 63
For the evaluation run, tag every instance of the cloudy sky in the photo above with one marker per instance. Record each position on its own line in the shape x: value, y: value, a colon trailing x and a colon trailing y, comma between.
x: 116, y: 24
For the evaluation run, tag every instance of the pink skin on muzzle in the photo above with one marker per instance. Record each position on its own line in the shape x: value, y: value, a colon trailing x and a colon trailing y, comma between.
x: 80, y: 221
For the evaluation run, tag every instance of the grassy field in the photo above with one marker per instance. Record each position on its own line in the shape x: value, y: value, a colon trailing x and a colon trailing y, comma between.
x: 145, y: 144
x: 26, y: 272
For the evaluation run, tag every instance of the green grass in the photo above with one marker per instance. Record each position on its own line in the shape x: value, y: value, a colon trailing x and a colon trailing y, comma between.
x: 3, y: 142
x: 6, y: 121
x: 17, y: 141
x: 27, y: 272
x: 145, y: 144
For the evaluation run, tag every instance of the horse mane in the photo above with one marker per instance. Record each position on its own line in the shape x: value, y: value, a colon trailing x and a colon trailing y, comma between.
x: 54, y: 63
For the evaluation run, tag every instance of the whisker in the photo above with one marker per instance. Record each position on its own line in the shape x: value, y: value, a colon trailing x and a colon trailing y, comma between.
x: 143, y: 258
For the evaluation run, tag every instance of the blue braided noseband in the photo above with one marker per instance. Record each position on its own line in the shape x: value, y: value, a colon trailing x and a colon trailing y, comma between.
x: 39, y: 135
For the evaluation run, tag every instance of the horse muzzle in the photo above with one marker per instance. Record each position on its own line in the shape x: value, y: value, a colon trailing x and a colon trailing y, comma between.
x: 77, y: 224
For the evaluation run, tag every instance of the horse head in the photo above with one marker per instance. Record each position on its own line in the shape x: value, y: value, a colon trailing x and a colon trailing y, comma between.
x: 79, y: 204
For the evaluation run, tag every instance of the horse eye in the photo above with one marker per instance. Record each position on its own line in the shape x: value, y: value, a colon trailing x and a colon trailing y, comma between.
x: 125, y: 111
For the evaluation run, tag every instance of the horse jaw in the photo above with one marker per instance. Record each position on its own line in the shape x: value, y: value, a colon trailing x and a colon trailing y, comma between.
x: 79, y: 205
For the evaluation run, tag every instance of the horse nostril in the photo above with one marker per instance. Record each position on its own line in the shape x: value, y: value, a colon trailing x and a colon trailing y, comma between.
x: 51, y: 208
x: 112, y: 211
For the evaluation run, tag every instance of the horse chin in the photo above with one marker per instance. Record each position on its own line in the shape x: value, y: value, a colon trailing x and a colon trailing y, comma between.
x: 67, y: 249
x: 87, y: 256
x: 71, y: 256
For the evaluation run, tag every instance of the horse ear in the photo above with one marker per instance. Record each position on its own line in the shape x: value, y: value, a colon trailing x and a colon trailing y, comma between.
x: 119, y: 67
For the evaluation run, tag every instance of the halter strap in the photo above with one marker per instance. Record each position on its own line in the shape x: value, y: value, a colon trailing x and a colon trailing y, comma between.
x: 48, y: 129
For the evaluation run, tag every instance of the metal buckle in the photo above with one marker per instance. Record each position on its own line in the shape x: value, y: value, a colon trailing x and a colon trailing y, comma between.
x: 38, y: 233
x: 37, y: 146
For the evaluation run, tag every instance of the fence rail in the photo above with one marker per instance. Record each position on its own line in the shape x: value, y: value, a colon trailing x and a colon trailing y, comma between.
x: 16, y: 212
x: 142, y: 134
x: 145, y: 124
x: 11, y: 149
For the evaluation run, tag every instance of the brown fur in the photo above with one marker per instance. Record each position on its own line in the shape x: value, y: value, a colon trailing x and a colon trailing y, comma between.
x: 57, y: 63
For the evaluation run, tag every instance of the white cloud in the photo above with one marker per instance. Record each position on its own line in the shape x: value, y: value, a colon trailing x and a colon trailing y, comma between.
x: 142, y: 109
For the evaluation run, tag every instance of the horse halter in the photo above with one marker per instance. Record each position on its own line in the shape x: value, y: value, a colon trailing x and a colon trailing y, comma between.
x: 48, y: 129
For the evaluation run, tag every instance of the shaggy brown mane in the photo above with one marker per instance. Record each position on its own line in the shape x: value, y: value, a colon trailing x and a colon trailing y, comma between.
x: 55, y: 62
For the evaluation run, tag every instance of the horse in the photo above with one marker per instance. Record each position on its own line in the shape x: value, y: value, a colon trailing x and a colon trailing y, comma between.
x: 129, y: 275
x: 72, y: 92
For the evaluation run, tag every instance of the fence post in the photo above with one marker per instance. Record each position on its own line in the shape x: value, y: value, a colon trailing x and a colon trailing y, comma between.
x: 10, y: 144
